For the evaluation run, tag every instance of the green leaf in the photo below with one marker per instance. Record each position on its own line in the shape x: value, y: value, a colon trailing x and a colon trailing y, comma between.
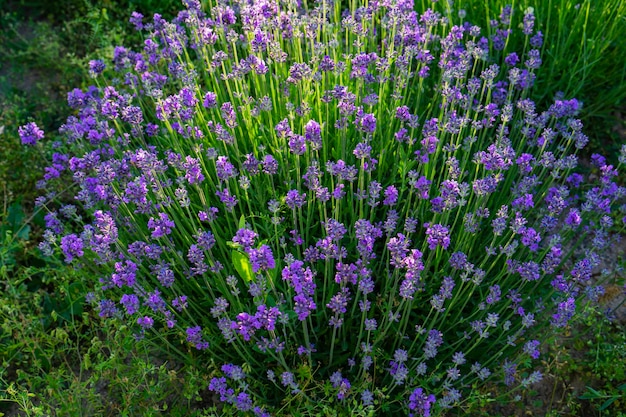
x: 23, y: 232
x: 242, y: 222
x: 15, y: 215
x: 607, y: 403
x: 270, y: 300
x: 242, y: 265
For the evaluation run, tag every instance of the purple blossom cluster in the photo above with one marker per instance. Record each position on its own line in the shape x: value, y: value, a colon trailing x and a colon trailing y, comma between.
x: 303, y: 282
x: 282, y: 168
x: 241, y: 400
x: 30, y: 134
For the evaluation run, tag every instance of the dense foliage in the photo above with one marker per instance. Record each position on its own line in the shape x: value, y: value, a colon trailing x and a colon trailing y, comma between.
x: 356, y: 207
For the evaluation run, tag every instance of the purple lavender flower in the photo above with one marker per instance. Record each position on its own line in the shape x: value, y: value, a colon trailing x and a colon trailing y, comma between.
x: 229, y: 115
x: 210, y: 100
x: 334, y: 229
x: 251, y: 164
x: 367, y: 398
x: 485, y: 186
x: 366, y: 234
x: 132, y: 115
x: 433, y: 341
x: 220, y: 307
x: 270, y: 166
x: 398, y: 248
x: 30, y: 133
x: 208, y: 216
x: 243, y: 402
x: 458, y: 358
x: 194, y: 336
x: 246, y: 325
x: 267, y: 316
x: 229, y: 201
x: 72, y: 246
x: 524, y: 202
x: 370, y: 325
x: 225, y: 169
x: 342, y: 170
x: 262, y: 258
x: 403, y: 113
x: 145, y: 322
x: 530, y: 238
x: 537, y: 40
x: 107, y: 308
x: 511, y: 59
x: 529, y: 22
x: 297, y: 144
x: 534, y: 59
x: 160, y: 227
x: 494, y: 294
x: 283, y: 129
x: 438, y: 235
x: 313, y: 134
x: 581, y: 272
x: 193, y: 171
x: 96, y: 67
x: 130, y: 303
x: 339, y: 301
x: 206, y: 240
x: 219, y: 386
x: 288, y: 380
x: 529, y: 271
x: 299, y: 72
x: 498, y: 156
x: 510, y: 372
x: 401, y: 135
x: 231, y: 371
x: 530, y: 348
x: 420, y: 403
x: 338, y: 192
x: 391, y: 196
x: 294, y: 199
x: 533, y: 378
x: 366, y: 123
x: 422, y: 185
x: 245, y: 237
x: 362, y: 150
x: 124, y: 273
x: 155, y: 301
x: 327, y: 64
x: 304, y: 286
x: 458, y: 260
x: 136, y: 19
x: 346, y: 273
x: 343, y: 384
x: 414, y: 266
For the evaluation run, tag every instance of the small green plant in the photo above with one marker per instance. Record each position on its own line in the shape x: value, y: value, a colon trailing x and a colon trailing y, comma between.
x: 12, y: 230
x: 605, y: 399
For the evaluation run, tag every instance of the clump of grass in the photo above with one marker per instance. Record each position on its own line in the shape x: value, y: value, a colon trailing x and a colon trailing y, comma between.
x: 585, y: 45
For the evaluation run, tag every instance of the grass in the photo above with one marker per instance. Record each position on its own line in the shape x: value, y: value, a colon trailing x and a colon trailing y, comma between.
x: 584, y: 43
x: 58, y: 358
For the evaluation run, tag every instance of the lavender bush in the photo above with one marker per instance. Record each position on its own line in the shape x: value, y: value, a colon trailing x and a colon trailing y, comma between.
x: 353, y: 209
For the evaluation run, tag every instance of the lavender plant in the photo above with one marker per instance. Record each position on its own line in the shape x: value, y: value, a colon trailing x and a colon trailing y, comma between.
x: 351, y: 208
